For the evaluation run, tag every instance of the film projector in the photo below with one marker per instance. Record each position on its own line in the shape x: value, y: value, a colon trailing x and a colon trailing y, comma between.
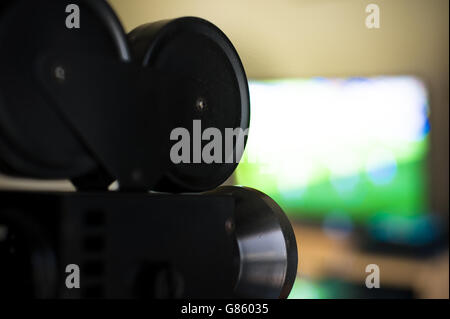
x: 96, y: 106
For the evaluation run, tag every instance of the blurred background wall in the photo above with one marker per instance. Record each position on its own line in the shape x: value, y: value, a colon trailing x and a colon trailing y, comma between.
x: 303, y: 38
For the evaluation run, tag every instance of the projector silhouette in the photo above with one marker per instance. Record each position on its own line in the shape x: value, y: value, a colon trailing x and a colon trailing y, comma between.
x: 82, y: 101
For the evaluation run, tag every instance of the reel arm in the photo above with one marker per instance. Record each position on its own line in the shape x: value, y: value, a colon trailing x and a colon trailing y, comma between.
x: 119, y: 112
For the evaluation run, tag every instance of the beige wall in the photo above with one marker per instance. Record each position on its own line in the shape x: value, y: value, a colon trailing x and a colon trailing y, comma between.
x: 316, y: 37
x: 298, y: 38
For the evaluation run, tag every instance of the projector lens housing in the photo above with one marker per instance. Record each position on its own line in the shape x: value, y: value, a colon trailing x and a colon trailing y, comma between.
x: 267, y: 245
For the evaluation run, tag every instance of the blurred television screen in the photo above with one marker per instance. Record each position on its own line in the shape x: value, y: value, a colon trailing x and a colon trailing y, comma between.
x: 344, y: 152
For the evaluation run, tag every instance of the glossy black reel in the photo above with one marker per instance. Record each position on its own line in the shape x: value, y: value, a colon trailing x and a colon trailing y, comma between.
x: 34, y: 140
x: 214, y: 94
x: 266, y: 243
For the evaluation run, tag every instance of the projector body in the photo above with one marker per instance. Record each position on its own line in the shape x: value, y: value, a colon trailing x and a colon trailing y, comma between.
x: 98, y: 107
x: 125, y: 245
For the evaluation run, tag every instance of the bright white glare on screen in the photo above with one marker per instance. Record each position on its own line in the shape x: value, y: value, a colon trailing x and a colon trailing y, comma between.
x: 302, y: 126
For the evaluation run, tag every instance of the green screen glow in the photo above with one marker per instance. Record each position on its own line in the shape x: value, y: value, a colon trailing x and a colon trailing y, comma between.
x: 350, y: 147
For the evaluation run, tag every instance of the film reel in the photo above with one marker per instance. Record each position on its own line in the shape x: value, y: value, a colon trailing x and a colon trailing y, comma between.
x: 213, y: 90
x: 34, y: 141
x: 267, y: 245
